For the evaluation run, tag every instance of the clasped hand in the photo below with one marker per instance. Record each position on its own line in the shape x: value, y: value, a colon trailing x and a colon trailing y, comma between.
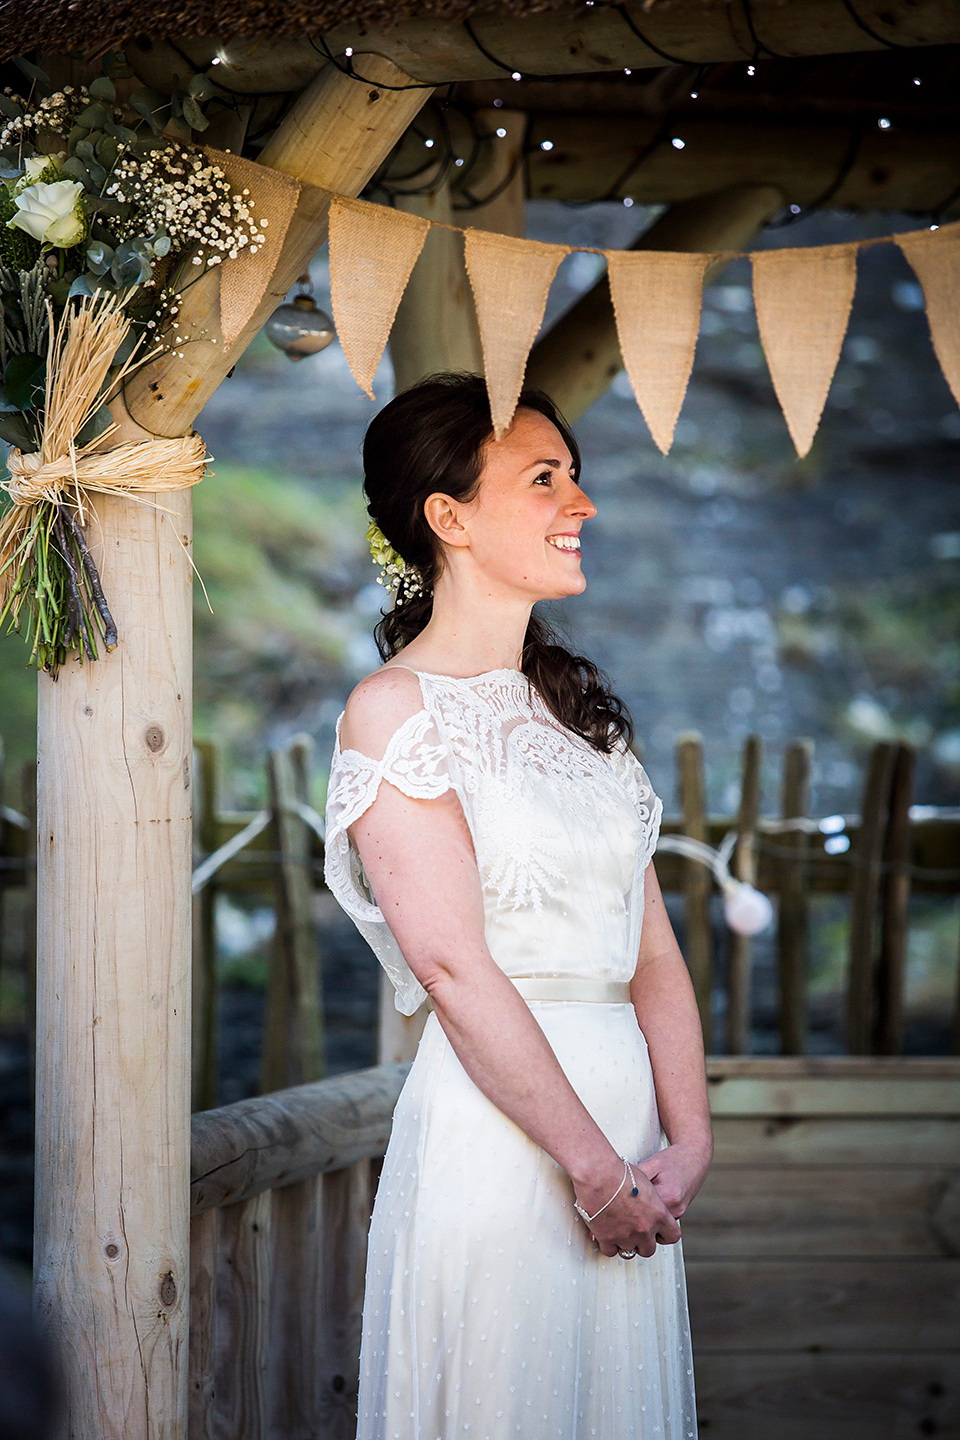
x: 667, y: 1182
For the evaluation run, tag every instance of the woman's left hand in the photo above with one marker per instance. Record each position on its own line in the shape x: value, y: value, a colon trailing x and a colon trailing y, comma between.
x: 677, y: 1172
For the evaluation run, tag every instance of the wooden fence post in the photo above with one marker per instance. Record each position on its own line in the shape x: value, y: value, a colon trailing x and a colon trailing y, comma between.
x: 895, y: 906
x: 293, y: 1048
x: 793, y: 926
x: 346, y: 1204
x: 744, y: 867
x: 697, y: 881
x: 865, y: 894
x: 204, y: 1060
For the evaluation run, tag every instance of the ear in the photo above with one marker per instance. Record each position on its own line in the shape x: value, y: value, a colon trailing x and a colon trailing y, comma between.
x: 443, y: 515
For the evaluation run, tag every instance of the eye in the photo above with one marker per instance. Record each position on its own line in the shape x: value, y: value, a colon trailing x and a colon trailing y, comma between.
x: 546, y: 476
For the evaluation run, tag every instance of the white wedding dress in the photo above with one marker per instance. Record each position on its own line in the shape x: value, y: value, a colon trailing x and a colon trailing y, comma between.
x: 489, y: 1312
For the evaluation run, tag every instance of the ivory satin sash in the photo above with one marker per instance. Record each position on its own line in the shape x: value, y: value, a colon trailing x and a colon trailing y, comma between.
x: 569, y: 987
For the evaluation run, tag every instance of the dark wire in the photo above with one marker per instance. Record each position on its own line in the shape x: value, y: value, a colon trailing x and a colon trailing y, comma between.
x: 475, y: 201
x: 671, y: 59
x: 348, y: 70
x: 758, y: 45
x: 240, y: 94
x: 858, y: 20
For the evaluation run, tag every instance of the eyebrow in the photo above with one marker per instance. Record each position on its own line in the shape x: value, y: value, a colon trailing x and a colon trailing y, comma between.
x: 555, y: 464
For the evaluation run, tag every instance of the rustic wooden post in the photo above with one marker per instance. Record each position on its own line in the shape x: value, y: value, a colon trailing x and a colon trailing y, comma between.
x: 697, y: 882
x: 744, y: 867
x: 113, y: 983
x: 895, y: 906
x: 204, y: 1238
x: 242, y: 1403
x: 397, y: 1035
x: 793, y: 925
x: 297, y: 1385
x: 293, y: 1050
x: 205, y: 1047
x: 867, y: 859
x: 347, y: 1202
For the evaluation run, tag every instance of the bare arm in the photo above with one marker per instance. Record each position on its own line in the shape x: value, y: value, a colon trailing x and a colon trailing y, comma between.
x: 419, y: 858
x: 667, y: 1013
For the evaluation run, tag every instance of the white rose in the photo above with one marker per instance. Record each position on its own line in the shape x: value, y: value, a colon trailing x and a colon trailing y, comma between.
x: 34, y: 166
x: 50, y: 212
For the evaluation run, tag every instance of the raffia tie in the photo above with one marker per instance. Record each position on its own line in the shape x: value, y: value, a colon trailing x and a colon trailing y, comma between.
x: 143, y: 466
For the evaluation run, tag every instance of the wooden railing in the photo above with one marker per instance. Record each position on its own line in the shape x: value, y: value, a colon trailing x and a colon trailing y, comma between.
x: 281, y: 1192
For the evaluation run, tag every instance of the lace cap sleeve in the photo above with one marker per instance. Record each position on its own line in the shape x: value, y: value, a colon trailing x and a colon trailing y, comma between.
x: 649, y: 805
x: 417, y: 762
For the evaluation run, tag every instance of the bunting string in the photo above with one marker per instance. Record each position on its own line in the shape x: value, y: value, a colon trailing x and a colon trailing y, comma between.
x: 802, y: 298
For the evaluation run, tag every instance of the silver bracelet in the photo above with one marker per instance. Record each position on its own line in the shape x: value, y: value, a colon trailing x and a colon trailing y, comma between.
x: 627, y: 1169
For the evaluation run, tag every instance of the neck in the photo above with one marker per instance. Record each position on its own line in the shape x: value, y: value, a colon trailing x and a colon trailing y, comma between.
x: 473, y: 628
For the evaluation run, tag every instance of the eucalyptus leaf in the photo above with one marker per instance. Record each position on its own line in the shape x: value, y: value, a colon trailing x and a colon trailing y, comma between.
x: 94, y: 117
x: 16, y: 430
x: 85, y: 149
x: 103, y: 205
x: 193, y: 115
x: 103, y: 88
x: 160, y: 244
x: 142, y: 108
x: 59, y: 290
x: 99, y: 421
x: 176, y: 101
x: 108, y: 151
x: 32, y: 72
x: 81, y: 286
x: 9, y: 107
x: 23, y: 381
x: 10, y: 170
x: 123, y: 133
x: 78, y: 133
x: 200, y: 87
x: 133, y: 270
x: 99, y: 257
x: 75, y: 169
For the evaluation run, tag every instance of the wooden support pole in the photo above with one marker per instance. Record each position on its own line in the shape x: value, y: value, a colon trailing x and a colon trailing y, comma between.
x: 867, y: 856
x: 204, y: 1240
x: 297, y: 1321
x: 580, y: 354
x: 895, y: 907
x: 744, y: 867
x: 114, y: 862
x: 698, y: 949
x: 347, y: 1202
x: 793, y: 924
x: 242, y: 1403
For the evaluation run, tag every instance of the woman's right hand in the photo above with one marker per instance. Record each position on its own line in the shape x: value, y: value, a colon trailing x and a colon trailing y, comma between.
x: 631, y: 1222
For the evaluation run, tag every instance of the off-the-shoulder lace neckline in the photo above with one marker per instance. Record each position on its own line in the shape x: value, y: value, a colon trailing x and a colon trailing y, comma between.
x: 461, y: 679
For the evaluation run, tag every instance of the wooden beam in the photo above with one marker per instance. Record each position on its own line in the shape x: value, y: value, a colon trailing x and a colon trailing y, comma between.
x: 336, y: 136
x: 577, y: 41
x: 578, y: 357
x: 609, y: 157
x: 113, y: 983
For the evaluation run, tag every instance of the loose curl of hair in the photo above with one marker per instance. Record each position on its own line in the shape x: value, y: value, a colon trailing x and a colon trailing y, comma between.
x: 431, y: 438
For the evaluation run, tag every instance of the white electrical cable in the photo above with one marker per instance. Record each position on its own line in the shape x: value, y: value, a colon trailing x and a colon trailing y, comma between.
x: 746, y: 909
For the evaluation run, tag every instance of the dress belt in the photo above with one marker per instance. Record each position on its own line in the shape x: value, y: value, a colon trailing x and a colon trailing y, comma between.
x: 569, y: 987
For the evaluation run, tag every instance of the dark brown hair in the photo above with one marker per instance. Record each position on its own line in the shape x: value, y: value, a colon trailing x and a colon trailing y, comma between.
x: 431, y: 438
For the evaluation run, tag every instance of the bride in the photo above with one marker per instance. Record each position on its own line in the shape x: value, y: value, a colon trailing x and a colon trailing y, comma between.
x: 490, y: 833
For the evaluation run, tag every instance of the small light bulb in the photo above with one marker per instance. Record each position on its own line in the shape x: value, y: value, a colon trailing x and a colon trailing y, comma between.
x: 546, y: 144
x: 628, y: 72
x: 794, y: 209
x: 694, y: 94
x: 751, y: 70
x: 429, y: 144
x: 934, y: 227
x: 677, y: 143
x: 501, y: 133
x: 917, y: 80
x: 627, y: 201
x: 516, y: 75
x: 883, y: 123
x: 458, y: 161
x: 349, y: 52
x: 217, y: 61
x: 498, y: 103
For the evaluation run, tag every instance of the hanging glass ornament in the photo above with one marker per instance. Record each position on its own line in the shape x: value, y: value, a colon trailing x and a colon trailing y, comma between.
x: 300, y: 328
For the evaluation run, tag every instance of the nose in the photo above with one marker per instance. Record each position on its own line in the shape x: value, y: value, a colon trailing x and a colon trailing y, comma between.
x: 580, y: 504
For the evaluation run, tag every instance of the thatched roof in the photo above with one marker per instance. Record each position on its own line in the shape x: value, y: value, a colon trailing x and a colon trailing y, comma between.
x: 63, y: 25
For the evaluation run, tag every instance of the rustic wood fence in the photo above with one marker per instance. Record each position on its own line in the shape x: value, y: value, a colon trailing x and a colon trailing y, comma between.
x: 878, y: 858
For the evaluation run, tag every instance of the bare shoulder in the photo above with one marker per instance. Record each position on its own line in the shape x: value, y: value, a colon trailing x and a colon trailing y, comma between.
x: 377, y: 706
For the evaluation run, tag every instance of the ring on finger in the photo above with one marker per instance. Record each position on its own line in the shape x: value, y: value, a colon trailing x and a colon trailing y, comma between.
x: 627, y: 1254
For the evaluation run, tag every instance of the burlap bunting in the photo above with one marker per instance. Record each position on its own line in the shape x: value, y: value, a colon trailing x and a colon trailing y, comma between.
x: 372, y: 252
x: 656, y: 300
x: 802, y: 300
x: 935, y: 260
x: 510, y: 279
x: 244, y: 280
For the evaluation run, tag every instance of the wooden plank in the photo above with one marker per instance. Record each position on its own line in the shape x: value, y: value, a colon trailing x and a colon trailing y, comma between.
x: 297, y: 1317
x: 273, y: 1140
x: 882, y: 1096
x: 895, y: 907
x: 347, y: 1202
x: 204, y: 1063
x: 852, y: 1396
x: 867, y: 859
x: 744, y: 867
x: 777, y: 1067
x: 793, y: 922
x: 31, y: 894
x: 397, y: 1035
x: 841, y: 1141
x: 243, y: 1320
x: 829, y: 1304
x: 697, y: 883
x: 293, y: 1050
x: 885, y: 1212
x: 204, y: 1234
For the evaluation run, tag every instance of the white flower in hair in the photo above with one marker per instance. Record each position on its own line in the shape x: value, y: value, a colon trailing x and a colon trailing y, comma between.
x: 396, y: 576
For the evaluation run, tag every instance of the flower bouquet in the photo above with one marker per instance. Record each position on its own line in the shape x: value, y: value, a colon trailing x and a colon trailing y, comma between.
x: 103, y: 220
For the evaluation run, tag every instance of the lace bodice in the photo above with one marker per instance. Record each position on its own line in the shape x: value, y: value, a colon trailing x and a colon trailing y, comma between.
x: 562, y: 834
